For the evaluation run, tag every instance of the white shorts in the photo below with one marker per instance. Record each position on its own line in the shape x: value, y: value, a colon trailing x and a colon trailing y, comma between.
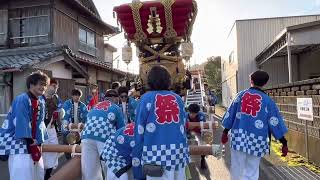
x: 21, y: 166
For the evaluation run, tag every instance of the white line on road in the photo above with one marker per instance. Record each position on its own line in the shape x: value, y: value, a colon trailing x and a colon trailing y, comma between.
x: 277, y: 173
x: 287, y: 172
x: 311, y: 172
x: 305, y: 174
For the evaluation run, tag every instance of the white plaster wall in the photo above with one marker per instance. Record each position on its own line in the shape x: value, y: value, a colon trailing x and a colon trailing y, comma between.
x: 108, y: 55
x: 59, y: 71
x: 92, y: 75
x: 103, y: 76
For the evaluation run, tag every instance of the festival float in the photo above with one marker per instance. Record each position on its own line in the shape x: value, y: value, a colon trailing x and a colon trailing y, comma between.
x: 161, y: 32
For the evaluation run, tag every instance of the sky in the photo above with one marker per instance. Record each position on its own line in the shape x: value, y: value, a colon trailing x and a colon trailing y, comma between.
x: 213, y: 23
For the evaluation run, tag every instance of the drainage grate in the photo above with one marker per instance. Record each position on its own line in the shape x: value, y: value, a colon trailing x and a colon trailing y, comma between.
x: 293, y: 173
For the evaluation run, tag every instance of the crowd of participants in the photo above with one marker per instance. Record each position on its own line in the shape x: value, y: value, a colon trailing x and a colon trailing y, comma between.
x: 127, y: 136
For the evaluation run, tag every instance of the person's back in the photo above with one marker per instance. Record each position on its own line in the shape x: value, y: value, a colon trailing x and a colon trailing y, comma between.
x: 117, y: 153
x: 102, y: 123
x: 195, y: 115
x: 252, y: 118
x: 164, y: 111
x: 160, y: 134
x: 250, y: 125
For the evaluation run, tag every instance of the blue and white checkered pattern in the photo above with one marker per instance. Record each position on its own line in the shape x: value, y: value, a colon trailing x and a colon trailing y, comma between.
x: 244, y: 141
x: 98, y: 128
x: 172, y: 157
x: 113, y: 160
x: 9, y: 145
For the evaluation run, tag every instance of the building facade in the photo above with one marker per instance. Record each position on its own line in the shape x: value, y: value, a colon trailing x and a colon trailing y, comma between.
x: 246, y: 40
x: 63, y: 38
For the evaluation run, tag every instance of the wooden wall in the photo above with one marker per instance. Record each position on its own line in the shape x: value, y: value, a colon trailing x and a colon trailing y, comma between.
x: 66, y: 29
x: 27, y: 3
x: 65, y: 88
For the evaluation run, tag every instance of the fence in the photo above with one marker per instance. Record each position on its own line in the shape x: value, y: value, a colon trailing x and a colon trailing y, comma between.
x: 285, y: 96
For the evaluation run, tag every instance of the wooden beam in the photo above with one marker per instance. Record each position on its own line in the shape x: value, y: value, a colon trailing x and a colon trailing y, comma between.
x: 171, y: 58
x: 190, y: 125
x: 150, y: 49
x: 167, y: 46
x: 200, y: 150
x: 60, y: 148
x: 71, y: 170
x: 144, y: 60
x: 194, y: 150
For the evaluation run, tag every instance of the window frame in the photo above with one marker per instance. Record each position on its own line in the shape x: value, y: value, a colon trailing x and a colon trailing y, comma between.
x: 86, y: 46
x: 4, y: 14
x: 23, y: 20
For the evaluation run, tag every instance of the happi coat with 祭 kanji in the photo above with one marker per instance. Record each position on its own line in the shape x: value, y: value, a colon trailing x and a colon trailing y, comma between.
x: 68, y: 107
x: 17, y: 126
x: 251, y: 117
x: 102, y: 121
x: 118, y: 150
x: 160, y: 134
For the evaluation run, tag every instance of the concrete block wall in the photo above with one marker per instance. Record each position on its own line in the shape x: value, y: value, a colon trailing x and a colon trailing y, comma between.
x: 285, y: 96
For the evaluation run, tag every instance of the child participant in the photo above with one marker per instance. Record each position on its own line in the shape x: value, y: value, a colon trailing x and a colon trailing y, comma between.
x: 195, y: 115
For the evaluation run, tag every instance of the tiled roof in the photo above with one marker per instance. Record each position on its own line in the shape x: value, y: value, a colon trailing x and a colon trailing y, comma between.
x: 20, y: 58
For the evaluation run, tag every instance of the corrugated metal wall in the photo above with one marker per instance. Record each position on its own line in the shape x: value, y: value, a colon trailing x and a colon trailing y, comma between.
x: 254, y: 35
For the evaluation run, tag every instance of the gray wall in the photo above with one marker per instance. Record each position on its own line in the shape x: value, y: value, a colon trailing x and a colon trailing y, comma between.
x: 309, y: 64
x: 19, y: 82
x: 277, y: 69
x: 254, y: 36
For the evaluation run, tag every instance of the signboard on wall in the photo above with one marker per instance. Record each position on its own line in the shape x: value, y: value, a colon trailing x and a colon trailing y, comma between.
x: 305, y: 108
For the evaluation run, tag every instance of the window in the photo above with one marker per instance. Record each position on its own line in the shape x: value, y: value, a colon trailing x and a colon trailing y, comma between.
x: 231, y: 57
x: 87, y: 40
x: 3, y: 26
x: 29, y: 26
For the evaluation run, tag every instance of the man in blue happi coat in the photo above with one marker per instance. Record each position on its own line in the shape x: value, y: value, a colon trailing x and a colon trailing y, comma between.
x: 195, y: 115
x: 23, y: 131
x: 252, y: 118
x: 127, y: 104
x: 75, y: 113
x: 102, y: 123
x: 117, y: 153
x: 161, y: 150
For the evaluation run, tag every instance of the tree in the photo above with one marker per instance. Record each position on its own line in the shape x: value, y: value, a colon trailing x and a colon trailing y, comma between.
x: 212, y: 71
